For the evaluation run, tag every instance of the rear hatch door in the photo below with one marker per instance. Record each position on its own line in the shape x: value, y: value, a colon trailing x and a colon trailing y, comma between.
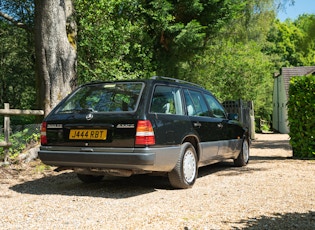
x: 96, y: 115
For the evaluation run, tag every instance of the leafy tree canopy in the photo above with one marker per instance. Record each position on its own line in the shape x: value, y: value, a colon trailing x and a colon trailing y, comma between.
x: 140, y: 38
x: 231, y: 47
x: 16, y: 67
x: 293, y: 41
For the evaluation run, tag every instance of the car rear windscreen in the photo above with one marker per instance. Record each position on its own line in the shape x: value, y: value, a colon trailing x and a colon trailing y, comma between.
x: 105, y: 97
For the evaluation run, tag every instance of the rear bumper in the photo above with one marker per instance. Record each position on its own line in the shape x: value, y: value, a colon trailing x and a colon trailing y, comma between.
x: 147, y: 159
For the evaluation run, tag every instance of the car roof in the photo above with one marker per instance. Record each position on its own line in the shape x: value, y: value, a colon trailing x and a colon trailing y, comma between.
x: 155, y: 79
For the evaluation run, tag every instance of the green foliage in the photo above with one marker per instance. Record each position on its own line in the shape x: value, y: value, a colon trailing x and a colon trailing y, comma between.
x: 112, y: 41
x: 21, y: 120
x: 42, y: 167
x: 231, y: 47
x: 265, y: 127
x: 301, y: 116
x: 17, y: 84
x: 187, y: 36
x: 293, y: 42
x: 235, y: 67
x: 132, y: 39
x: 21, y: 141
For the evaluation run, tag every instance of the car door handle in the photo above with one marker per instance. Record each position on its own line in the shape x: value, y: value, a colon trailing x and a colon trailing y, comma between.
x: 220, y: 125
x: 197, y: 124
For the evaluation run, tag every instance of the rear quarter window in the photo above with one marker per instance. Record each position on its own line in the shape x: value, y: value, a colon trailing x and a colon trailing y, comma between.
x: 167, y: 100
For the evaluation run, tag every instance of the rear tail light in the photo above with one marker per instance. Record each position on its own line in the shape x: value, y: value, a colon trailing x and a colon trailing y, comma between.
x: 144, y: 133
x: 43, y: 137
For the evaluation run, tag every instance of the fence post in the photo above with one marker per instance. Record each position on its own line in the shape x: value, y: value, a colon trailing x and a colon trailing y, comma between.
x: 6, y: 133
x: 252, y: 119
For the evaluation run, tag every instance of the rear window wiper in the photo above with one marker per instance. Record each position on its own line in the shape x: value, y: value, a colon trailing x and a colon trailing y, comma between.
x: 87, y: 110
x: 82, y: 110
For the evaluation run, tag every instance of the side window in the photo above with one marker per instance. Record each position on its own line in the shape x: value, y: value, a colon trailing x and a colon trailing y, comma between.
x: 167, y: 100
x: 195, y: 103
x: 216, y: 109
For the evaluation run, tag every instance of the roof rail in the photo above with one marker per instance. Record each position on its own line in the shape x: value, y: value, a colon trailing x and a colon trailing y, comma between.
x: 176, y: 80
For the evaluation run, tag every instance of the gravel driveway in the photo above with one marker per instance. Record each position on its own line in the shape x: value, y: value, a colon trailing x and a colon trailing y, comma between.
x: 273, y: 192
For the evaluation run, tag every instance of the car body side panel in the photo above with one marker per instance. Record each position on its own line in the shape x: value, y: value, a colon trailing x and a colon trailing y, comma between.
x: 170, y: 129
x: 209, y: 152
x: 230, y: 149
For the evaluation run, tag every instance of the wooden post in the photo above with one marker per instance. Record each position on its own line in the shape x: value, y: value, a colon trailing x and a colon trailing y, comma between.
x: 7, y: 112
x: 6, y: 133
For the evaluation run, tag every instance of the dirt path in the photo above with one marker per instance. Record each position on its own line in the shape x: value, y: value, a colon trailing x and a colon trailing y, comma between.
x: 273, y: 192
x: 271, y: 145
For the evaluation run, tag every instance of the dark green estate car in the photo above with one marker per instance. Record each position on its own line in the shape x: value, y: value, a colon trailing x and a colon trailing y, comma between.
x: 157, y: 125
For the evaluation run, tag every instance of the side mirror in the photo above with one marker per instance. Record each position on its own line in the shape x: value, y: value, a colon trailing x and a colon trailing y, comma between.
x: 233, y: 116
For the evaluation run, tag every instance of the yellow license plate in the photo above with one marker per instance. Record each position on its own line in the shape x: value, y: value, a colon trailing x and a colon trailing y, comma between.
x: 88, y: 134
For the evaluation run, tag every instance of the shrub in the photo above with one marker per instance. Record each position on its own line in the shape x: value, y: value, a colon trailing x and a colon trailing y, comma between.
x: 21, y: 141
x: 301, y: 116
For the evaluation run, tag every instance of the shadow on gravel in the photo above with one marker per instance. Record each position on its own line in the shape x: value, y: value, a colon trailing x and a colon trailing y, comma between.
x: 276, y: 144
x: 117, y: 188
x: 68, y: 184
x: 262, y: 159
x: 282, y: 221
x: 227, y: 168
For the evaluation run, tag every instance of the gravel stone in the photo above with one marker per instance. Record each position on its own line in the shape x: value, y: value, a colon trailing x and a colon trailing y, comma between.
x: 274, y: 191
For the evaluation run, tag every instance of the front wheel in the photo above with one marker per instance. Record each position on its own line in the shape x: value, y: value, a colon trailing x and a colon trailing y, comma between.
x: 185, y: 172
x: 243, y: 157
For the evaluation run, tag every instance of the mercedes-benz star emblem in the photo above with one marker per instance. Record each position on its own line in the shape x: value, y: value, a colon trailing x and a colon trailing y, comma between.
x: 89, y: 116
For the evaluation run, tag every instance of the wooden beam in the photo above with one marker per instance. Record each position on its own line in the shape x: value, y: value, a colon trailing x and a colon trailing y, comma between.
x: 5, y: 144
x: 20, y: 112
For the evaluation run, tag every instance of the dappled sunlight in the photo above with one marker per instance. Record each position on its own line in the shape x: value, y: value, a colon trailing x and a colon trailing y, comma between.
x: 294, y: 220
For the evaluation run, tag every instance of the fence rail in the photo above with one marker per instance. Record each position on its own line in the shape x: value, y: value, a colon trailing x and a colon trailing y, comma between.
x: 7, y: 112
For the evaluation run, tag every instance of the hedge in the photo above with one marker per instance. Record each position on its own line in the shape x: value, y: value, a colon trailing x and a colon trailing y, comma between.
x: 301, y: 116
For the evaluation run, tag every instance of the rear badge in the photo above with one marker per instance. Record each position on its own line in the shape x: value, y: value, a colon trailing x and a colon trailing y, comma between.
x: 89, y: 116
x: 125, y: 126
x: 54, y: 126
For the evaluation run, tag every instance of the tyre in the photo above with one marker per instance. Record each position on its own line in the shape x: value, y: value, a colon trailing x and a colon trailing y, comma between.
x: 89, y: 178
x: 243, y: 157
x: 185, y: 172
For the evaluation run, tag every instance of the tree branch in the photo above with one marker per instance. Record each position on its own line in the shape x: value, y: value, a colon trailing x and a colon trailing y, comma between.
x: 16, y: 23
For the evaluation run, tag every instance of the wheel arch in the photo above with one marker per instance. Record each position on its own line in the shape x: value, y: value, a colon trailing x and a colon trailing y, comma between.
x: 194, y: 140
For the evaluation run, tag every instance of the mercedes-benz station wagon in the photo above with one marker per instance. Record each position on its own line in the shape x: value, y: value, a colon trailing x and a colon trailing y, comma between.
x: 159, y: 125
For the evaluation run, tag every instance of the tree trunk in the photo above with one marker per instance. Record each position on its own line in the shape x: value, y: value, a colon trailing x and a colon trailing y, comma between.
x: 55, y: 55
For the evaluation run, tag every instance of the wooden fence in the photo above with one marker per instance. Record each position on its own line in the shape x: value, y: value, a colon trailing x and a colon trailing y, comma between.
x: 245, y: 111
x: 7, y: 112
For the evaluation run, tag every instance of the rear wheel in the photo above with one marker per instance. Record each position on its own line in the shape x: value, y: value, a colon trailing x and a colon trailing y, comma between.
x: 185, y: 172
x: 243, y: 157
x: 89, y: 178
